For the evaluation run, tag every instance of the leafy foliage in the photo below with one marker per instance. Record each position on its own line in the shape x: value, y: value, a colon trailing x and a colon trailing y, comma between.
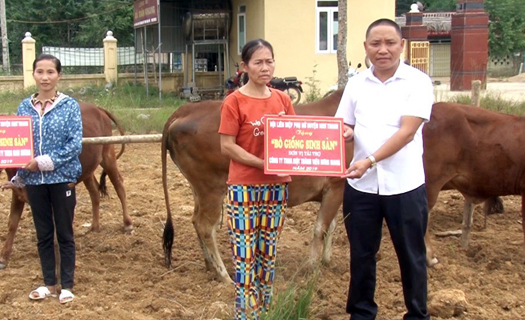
x: 507, y: 26
x: 440, y: 5
x: 403, y: 6
x: 75, y: 23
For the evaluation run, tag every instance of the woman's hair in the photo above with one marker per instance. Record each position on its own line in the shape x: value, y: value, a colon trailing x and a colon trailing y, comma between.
x: 45, y: 56
x: 252, y: 46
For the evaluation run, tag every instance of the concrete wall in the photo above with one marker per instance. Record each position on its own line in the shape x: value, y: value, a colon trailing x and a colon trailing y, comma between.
x: 171, y: 82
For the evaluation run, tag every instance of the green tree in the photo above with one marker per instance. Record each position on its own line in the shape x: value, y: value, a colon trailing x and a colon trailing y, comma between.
x: 506, y: 26
x: 440, y: 5
x: 403, y: 6
x: 75, y: 23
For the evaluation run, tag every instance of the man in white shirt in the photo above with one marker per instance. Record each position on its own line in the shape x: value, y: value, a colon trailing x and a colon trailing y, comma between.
x: 383, y: 109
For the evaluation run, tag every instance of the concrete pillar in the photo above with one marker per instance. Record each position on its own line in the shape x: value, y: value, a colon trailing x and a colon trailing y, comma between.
x: 110, y: 58
x: 413, y: 30
x: 469, y: 47
x: 28, y: 57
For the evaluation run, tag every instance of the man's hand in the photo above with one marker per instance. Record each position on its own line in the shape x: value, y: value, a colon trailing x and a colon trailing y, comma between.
x: 357, y: 169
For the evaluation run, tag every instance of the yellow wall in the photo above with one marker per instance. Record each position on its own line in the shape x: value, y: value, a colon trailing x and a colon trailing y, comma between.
x: 290, y: 26
x: 254, y: 26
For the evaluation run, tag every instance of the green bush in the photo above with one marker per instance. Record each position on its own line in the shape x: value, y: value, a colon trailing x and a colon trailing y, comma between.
x: 314, y: 92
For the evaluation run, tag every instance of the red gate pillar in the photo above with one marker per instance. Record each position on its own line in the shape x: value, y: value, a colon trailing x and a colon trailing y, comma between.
x: 413, y: 30
x: 469, y: 47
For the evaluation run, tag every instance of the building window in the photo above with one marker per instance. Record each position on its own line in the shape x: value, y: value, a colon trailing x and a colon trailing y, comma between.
x: 327, y: 26
x: 241, y: 28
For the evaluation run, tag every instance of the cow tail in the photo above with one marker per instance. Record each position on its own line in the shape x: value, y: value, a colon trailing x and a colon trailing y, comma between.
x: 169, y: 233
x: 102, y: 188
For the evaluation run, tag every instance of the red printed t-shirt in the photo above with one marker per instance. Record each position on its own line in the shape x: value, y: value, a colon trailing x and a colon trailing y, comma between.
x: 242, y: 117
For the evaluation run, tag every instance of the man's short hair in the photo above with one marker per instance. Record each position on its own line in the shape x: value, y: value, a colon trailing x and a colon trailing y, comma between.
x: 383, y: 22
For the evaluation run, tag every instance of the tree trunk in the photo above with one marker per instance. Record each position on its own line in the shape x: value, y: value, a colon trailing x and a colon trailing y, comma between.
x: 5, y: 43
x: 342, y: 65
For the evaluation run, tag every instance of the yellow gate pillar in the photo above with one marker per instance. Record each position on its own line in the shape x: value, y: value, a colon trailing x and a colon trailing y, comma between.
x: 28, y: 57
x: 110, y: 58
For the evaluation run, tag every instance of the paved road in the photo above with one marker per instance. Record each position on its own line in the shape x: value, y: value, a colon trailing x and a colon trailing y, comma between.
x: 506, y: 90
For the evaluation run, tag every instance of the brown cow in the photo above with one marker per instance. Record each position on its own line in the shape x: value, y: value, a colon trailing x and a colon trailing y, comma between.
x: 96, y: 122
x: 190, y: 135
x: 478, y: 152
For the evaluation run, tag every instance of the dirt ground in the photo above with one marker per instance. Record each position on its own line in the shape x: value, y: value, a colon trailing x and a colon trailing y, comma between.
x: 122, y: 276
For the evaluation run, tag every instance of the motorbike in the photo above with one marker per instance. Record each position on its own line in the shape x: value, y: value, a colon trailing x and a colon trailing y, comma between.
x: 351, y: 72
x: 236, y: 81
x: 289, y: 85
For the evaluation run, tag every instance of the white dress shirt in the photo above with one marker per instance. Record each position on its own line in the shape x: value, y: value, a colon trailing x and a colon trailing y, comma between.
x: 375, y: 109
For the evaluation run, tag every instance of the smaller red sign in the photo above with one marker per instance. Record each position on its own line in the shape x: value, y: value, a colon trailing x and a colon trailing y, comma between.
x: 16, y: 141
x: 304, y: 145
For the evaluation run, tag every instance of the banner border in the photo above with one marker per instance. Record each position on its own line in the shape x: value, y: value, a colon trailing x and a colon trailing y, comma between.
x: 325, y: 119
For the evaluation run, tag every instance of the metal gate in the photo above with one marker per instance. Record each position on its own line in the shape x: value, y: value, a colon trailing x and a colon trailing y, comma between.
x: 440, y: 60
x: 420, y: 55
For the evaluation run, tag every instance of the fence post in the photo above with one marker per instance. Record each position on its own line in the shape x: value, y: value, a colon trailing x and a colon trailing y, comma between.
x: 28, y: 57
x: 476, y: 93
x: 110, y: 58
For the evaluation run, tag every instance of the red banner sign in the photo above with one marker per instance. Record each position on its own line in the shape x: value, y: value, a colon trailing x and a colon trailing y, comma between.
x: 304, y: 145
x: 16, y: 141
x: 145, y: 12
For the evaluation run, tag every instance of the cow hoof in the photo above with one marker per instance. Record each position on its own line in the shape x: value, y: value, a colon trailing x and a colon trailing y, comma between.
x: 432, y: 262
x: 129, y: 230
x: 3, y: 265
x: 225, y: 280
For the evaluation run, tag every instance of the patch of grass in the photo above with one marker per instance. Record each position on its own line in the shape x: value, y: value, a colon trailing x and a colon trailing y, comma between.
x: 11, y: 100
x: 138, y: 111
x: 294, y: 302
x: 494, y: 102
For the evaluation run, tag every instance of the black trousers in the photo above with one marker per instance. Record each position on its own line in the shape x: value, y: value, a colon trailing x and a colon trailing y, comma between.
x: 54, y: 205
x: 406, y: 216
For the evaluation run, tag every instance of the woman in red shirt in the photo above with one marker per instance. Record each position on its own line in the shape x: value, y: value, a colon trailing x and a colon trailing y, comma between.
x: 256, y: 201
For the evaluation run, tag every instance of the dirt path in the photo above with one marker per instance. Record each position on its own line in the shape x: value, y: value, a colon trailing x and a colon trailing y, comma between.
x: 122, y: 276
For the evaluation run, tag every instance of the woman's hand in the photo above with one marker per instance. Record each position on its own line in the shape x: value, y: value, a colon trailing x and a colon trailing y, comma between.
x: 7, y: 186
x: 31, y: 165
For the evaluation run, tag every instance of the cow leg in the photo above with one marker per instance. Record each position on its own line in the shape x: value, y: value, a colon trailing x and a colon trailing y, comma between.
x: 492, y: 206
x: 17, y: 206
x: 432, y: 195
x: 523, y: 214
x: 206, y: 217
x: 109, y: 163
x: 92, y: 187
x: 468, y: 210
x: 321, y: 248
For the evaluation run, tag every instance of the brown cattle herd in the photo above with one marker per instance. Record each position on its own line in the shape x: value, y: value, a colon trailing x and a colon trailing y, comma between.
x: 475, y: 151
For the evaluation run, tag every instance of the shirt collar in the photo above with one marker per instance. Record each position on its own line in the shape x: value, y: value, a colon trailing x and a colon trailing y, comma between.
x: 401, y: 73
x: 35, y: 99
